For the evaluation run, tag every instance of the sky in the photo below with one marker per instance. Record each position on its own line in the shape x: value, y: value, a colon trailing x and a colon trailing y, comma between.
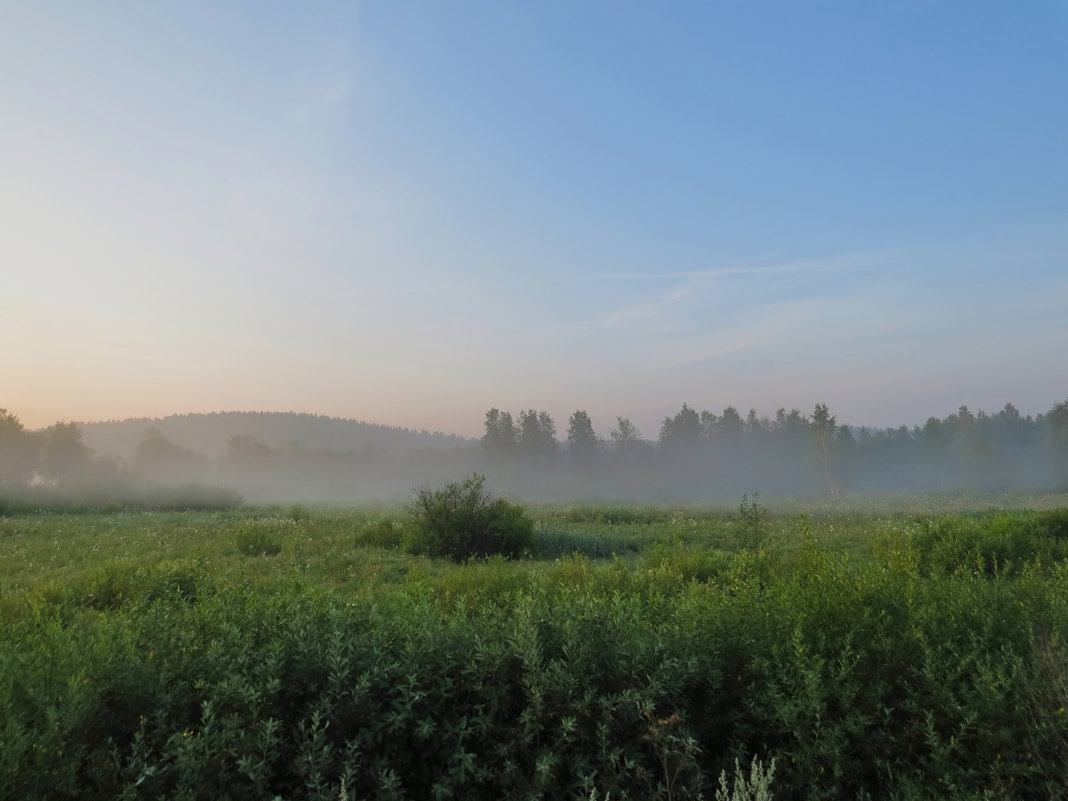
x: 408, y: 213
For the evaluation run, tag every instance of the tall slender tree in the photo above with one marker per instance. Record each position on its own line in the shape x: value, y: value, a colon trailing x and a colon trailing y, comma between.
x: 581, y: 440
x: 823, y: 427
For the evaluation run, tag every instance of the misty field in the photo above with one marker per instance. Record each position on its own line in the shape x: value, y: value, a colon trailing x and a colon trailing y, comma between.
x: 897, y: 647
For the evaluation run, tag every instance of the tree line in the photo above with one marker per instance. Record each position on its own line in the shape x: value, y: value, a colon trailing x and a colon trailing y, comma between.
x: 796, y: 452
x: 695, y: 454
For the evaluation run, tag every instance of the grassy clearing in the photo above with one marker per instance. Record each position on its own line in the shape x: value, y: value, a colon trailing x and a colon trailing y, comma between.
x: 894, y: 650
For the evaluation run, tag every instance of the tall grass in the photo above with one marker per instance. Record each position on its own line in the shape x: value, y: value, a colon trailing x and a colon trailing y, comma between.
x: 917, y: 657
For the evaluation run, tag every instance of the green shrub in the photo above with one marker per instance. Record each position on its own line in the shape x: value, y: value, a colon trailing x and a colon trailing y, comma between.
x: 1052, y: 524
x: 991, y: 545
x: 757, y: 787
x: 753, y: 522
x: 461, y: 520
x: 383, y: 533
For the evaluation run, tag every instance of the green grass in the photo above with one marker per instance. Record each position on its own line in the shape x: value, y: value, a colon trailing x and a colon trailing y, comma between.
x: 889, y: 647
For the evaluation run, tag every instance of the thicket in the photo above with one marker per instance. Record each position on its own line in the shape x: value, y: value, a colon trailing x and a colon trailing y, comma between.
x: 463, y: 519
x: 907, y: 672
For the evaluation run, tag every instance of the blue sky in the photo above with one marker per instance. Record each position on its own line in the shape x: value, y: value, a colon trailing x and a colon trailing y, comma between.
x: 410, y: 212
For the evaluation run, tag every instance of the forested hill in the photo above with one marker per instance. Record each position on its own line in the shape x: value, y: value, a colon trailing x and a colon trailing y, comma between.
x: 209, y: 434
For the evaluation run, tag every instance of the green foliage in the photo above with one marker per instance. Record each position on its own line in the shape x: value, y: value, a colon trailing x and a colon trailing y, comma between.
x: 757, y: 787
x: 752, y: 521
x: 382, y: 533
x: 676, y: 752
x: 163, y: 664
x: 554, y: 540
x: 617, y: 514
x: 463, y: 520
x: 991, y: 545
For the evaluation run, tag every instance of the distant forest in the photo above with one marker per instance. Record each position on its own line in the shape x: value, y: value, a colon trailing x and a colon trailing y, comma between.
x: 696, y: 455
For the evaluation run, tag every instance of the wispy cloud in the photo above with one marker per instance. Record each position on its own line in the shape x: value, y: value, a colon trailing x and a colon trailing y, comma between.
x: 697, y: 317
x: 724, y: 342
x: 630, y: 315
x: 839, y: 263
x: 647, y: 318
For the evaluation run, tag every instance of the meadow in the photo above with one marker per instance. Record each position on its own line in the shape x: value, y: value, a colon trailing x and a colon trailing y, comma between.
x: 906, y: 646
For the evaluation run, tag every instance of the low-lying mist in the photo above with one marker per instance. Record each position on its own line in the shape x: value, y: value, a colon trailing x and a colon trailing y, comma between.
x: 213, y: 461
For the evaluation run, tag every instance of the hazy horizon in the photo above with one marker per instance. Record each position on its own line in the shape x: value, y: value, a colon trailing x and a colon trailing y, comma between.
x: 650, y: 432
x: 408, y: 215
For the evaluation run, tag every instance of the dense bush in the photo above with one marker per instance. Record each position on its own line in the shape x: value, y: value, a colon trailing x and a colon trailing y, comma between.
x: 486, y: 684
x: 991, y: 545
x: 464, y: 520
x: 856, y: 676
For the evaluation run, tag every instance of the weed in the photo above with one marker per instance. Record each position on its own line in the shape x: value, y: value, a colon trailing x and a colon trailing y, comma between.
x: 675, y: 751
x: 752, y: 521
x: 755, y: 788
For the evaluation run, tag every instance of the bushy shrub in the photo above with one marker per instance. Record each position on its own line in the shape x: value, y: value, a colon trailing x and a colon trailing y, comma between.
x: 991, y: 545
x: 1052, y: 523
x: 118, y: 586
x: 464, y: 519
x: 382, y: 533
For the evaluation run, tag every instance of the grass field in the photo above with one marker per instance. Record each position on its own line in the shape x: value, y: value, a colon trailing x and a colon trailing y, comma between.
x: 892, y: 647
